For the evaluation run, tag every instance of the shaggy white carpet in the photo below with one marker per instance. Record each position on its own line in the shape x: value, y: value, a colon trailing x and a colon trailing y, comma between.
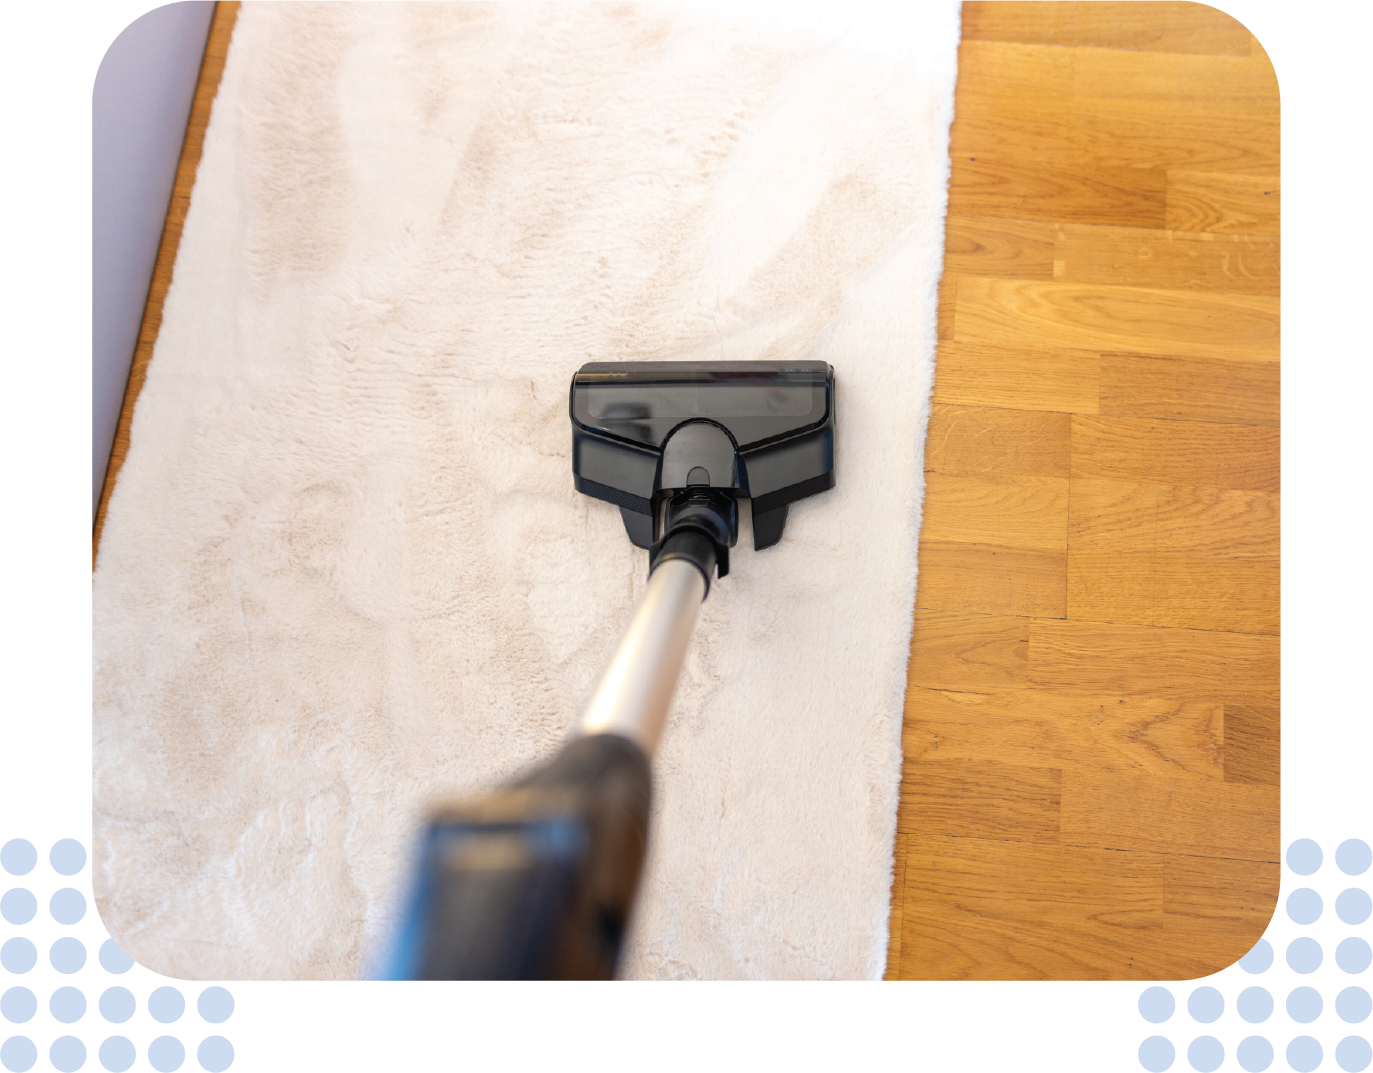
x: 344, y: 570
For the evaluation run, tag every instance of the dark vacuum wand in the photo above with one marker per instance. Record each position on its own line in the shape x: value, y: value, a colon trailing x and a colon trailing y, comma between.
x: 536, y: 881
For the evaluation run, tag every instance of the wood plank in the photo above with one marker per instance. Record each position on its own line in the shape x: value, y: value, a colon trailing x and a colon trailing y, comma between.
x: 975, y: 799
x: 971, y: 441
x: 1008, y: 248
x: 207, y: 86
x: 991, y: 579
x: 1216, y: 909
x: 1109, y: 72
x: 1170, y: 260
x: 1023, y: 512
x: 969, y: 652
x: 1191, y: 453
x: 1137, y: 516
x: 1020, y: 186
x: 1012, y: 67
x: 1252, y: 743
x: 1167, y: 737
x: 1016, y: 911
x: 1196, y: 817
x: 1236, y: 135
x: 1182, y: 389
x: 1156, y: 27
x: 1126, y: 659
x: 1021, y: 378
x: 1009, y: 312
x: 1236, y: 204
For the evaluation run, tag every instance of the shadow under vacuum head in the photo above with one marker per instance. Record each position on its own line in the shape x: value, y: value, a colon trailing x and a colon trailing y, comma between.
x: 645, y: 431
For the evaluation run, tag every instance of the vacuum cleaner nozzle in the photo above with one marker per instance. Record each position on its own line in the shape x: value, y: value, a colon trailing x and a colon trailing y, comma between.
x: 675, y: 444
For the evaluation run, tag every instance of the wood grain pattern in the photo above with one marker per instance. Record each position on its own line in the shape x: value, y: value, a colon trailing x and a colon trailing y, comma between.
x: 1124, y: 25
x: 1222, y: 203
x: 207, y: 85
x: 1172, y: 260
x: 1193, y: 453
x: 1188, y: 389
x: 1021, y: 378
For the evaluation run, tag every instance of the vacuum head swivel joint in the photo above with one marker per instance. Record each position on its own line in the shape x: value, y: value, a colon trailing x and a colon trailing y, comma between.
x: 675, y: 445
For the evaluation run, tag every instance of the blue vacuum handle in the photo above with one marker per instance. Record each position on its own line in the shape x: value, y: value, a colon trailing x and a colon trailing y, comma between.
x: 535, y: 881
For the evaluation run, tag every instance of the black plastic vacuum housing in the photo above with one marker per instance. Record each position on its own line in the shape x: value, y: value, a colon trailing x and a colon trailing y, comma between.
x: 675, y: 444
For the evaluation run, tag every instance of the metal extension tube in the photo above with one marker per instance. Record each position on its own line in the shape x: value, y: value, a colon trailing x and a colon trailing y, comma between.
x: 633, y: 695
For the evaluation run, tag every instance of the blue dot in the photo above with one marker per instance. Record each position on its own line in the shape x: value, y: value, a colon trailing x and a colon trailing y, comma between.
x: 1353, y: 1005
x: 1205, y: 1054
x: 18, y: 1054
x: 68, y: 1005
x: 67, y: 906
x: 215, y: 1053
x: 18, y: 857
x: 1304, y: 1005
x: 1304, y: 1054
x: 117, y: 1004
x: 1353, y: 1054
x: 113, y: 959
x: 117, y: 1054
x: 67, y: 955
x: 1156, y: 1054
x: 1304, y: 955
x: 18, y: 1004
x: 67, y: 1054
x: 1304, y: 856
x: 1353, y: 906
x: 68, y: 857
x: 1255, y: 1005
x: 18, y: 955
x: 215, y: 1005
x: 1205, y: 1004
x: 1304, y: 906
x: 1353, y: 954
x: 1156, y: 1005
x: 18, y: 906
x: 166, y: 1054
x: 1352, y: 857
x: 166, y: 1005
x: 1254, y: 1054
x: 1258, y: 959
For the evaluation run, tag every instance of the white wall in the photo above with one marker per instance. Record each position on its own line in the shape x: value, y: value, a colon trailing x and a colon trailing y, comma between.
x: 141, y: 104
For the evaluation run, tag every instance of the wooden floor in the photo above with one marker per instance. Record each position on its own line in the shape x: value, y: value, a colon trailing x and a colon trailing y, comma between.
x: 1091, y: 732
x: 1090, y: 785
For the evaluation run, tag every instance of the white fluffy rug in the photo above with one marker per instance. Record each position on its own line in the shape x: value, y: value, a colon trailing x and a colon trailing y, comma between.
x: 344, y: 570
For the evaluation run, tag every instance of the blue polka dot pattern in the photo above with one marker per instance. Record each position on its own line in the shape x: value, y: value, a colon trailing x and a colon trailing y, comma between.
x: 17, y: 857
x: 215, y: 1054
x: 67, y: 955
x: 1259, y: 958
x: 1304, y: 1054
x: 1353, y: 955
x: 1304, y: 857
x: 1205, y: 1054
x: 18, y: 955
x: 117, y: 1004
x: 1304, y: 906
x: 18, y: 1054
x: 1353, y: 906
x: 1352, y: 1054
x: 67, y: 1054
x: 67, y: 906
x: 112, y: 959
x: 68, y: 1005
x: 18, y: 906
x: 1156, y: 1054
x: 1353, y: 1004
x: 1353, y: 857
x: 166, y: 1005
x: 1304, y: 1005
x: 165, y: 1054
x: 117, y: 1054
x: 1205, y: 1004
x: 1156, y: 1005
x: 18, y: 1004
x: 67, y: 857
x: 215, y: 1005
x: 1254, y: 1004
x: 1304, y: 955
x: 1254, y: 1054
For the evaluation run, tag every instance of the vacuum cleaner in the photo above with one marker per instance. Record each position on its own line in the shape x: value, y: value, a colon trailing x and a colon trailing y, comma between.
x: 537, y: 880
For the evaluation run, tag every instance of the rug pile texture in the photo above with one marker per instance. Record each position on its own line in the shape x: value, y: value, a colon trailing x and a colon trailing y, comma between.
x: 344, y: 571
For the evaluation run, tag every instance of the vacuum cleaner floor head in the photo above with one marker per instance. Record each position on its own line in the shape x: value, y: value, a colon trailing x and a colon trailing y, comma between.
x: 659, y: 439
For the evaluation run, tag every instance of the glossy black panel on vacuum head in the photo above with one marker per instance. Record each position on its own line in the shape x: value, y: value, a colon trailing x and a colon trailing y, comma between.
x: 757, y: 429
